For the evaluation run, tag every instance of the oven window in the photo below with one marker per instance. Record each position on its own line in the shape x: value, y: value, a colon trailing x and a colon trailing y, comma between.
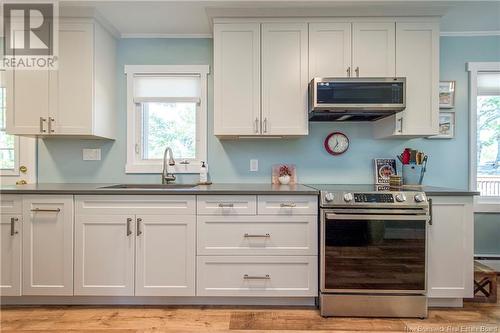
x: 359, y: 93
x: 374, y: 255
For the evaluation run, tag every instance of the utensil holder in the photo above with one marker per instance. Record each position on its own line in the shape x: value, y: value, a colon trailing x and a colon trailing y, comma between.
x: 412, y: 174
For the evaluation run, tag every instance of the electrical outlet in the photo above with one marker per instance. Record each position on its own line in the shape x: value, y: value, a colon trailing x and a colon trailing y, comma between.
x: 91, y: 154
x: 254, y: 165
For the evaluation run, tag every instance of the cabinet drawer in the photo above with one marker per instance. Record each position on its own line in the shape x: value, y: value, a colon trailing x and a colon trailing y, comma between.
x: 227, y: 204
x: 257, y: 276
x: 287, y: 205
x: 135, y: 204
x: 257, y: 235
x: 11, y: 204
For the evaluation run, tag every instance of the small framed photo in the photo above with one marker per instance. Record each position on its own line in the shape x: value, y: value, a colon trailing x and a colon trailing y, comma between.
x: 446, y: 125
x: 446, y: 94
x: 384, y: 169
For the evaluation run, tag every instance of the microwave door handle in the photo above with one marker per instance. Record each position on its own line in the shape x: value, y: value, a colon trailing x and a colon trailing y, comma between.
x: 374, y: 217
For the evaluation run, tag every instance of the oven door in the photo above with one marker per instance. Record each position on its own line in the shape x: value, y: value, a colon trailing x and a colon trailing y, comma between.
x: 369, y: 253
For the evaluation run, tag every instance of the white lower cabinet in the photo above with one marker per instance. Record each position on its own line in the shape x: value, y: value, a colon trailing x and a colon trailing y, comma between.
x: 257, y: 276
x: 104, y: 255
x: 47, y: 245
x: 165, y: 255
x: 450, y: 248
x: 135, y: 245
x: 10, y: 257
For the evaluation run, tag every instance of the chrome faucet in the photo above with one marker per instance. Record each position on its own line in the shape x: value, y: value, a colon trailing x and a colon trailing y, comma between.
x: 166, y: 176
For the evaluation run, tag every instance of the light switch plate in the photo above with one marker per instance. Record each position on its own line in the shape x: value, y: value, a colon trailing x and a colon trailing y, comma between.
x: 91, y: 154
x: 254, y: 165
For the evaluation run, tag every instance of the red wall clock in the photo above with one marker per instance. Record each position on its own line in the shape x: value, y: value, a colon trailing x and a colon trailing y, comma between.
x: 336, y: 143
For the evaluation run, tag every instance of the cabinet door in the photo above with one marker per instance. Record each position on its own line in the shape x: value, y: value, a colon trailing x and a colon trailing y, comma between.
x: 27, y: 102
x: 329, y: 50
x: 284, y: 78
x: 417, y: 54
x: 48, y: 245
x: 72, y: 86
x: 165, y: 257
x: 373, y: 49
x: 450, y: 248
x: 10, y: 255
x: 237, y: 79
x: 104, y: 255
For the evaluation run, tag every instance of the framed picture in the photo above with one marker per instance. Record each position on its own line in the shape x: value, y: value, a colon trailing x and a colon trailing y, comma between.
x: 446, y: 94
x: 384, y: 168
x: 446, y: 125
x: 276, y: 173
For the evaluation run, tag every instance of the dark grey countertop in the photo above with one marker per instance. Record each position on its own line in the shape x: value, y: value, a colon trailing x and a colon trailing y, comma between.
x: 69, y: 188
x: 429, y: 190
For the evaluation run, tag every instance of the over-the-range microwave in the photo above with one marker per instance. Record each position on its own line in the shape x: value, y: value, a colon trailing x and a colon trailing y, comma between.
x: 355, y: 99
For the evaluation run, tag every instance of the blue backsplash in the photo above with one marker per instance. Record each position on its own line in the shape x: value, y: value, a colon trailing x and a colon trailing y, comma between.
x: 61, y: 160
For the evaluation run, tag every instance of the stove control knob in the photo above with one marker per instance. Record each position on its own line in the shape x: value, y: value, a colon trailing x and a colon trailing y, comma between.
x: 348, y: 197
x: 329, y: 197
x: 400, y: 197
x: 419, y: 197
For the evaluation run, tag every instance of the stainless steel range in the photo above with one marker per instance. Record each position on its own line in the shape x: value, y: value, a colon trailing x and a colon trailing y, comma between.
x: 373, y: 251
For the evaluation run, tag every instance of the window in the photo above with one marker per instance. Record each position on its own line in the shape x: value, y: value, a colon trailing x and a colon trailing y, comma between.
x: 167, y: 107
x: 485, y: 133
x: 9, y: 144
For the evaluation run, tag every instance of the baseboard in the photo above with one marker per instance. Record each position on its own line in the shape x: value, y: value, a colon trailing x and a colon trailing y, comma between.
x: 445, y: 302
x: 134, y: 300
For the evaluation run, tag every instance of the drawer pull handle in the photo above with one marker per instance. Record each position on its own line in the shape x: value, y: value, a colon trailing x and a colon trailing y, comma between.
x: 13, y: 231
x: 257, y: 236
x: 288, y: 205
x: 57, y: 210
x: 226, y: 205
x: 256, y: 277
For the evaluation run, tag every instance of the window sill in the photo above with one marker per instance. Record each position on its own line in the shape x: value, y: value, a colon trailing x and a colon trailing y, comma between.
x: 192, y: 168
x: 487, y: 205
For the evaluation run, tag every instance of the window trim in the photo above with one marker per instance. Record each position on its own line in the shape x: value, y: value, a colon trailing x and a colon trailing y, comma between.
x: 15, y: 170
x: 134, y: 165
x: 482, y: 204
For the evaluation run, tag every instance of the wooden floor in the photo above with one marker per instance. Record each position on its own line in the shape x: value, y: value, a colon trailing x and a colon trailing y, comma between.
x: 473, y: 318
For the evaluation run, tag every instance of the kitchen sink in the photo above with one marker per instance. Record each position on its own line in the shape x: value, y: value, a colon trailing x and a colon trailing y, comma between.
x: 150, y: 186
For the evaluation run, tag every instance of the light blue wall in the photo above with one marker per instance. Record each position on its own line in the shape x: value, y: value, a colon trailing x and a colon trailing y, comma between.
x: 61, y: 160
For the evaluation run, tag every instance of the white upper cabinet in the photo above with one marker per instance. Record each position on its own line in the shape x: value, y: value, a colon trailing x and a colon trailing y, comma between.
x: 76, y: 99
x: 373, y: 49
x: 284, y: 78
x: 330, y: 49
x: 47, y: 245
x: 417, y: 54
x: 237, y: 79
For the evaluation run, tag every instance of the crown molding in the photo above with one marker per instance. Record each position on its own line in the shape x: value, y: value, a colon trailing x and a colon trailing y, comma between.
x: 469, y: 33
x: 153, y: 35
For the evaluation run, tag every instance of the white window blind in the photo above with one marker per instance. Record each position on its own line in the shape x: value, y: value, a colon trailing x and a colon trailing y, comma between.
x: 167, y: 88
x: 488, y: 84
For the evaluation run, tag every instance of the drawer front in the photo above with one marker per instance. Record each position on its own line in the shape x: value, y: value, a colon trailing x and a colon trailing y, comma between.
x: 226, y: 204
x: 257, y: 276
x: 287, y: 205
x: 135, y: 204
x: 257, y: 235
x: 11, y: 204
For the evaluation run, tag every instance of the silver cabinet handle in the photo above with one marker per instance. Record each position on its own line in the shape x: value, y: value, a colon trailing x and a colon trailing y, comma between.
x: 289, y: 205
x: 139, y: 232
x: 56, y: 210
x: 429, y: 200
x: 257, y: 236
x: 42, y: 121
x: 185, y: 162
x: 256, y: 277
x: 256, y: 125
x: 400, y: 125
x: 226, y: 205
x: 348, y: 71
x: 13, y: 220
x: 265, y: 125
x: 357, y: 71
x: 129, y: 231
x: 51, y: 120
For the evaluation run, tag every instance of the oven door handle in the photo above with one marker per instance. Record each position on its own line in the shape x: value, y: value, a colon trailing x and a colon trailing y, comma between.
x: 346, y: 217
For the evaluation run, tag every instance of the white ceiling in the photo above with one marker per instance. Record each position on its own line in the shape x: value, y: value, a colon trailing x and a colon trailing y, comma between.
x: 193, y: 18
